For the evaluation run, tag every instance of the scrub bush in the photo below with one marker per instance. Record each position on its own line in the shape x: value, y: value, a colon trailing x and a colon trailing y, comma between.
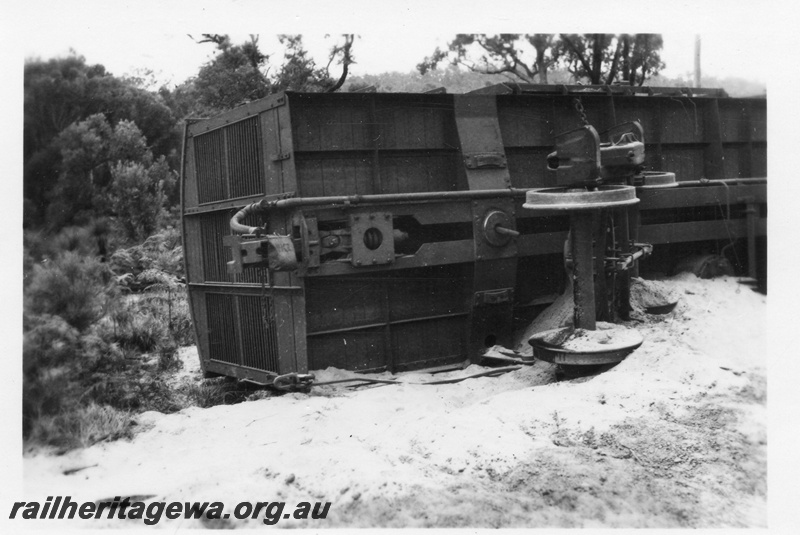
x: 81, y: 426
x: 78, y: 289
x: 92, y: 356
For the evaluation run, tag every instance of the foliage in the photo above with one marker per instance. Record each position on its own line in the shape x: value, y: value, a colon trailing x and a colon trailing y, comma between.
x: 107, y: 171
x: 155, y: 321
x: 76, y: 288
x: 155, y: 268
x: 139, y: 330
x: 40, y: 247
x: 596, y: 58
x: 56, y: 356
x: 81, y: 427
x: 83, y: 344
x: 88, y: 149
x: 89, y: 366
x: 137, y: 196
x: 66, y: 371
x: 185, y: 102
x: 157, y: 260
x: 84, y: 158
x: 499, y: 54
x: 64, y: 91
x: 241, y: 73
x: 234, y: 76
x: 136, y: 387
x: 299, y: 71
x: 222, y: 391
x: 346, y: 60
x: 49, y: 341
x: 606, y: 58
x: 80, y: 240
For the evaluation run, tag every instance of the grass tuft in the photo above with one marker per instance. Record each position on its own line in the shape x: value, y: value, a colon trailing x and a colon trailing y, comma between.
x: 81, y: 427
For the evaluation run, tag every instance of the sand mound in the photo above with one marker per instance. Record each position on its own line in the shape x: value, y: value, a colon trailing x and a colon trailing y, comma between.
x: 650, y: 294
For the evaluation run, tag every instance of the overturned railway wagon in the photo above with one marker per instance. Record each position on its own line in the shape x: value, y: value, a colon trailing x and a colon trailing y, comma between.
x: 409, y: 244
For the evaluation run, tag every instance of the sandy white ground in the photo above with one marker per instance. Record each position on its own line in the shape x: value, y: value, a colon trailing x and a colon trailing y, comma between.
x: 673, y: 436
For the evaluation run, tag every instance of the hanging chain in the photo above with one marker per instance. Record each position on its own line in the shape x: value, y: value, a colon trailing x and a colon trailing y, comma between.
x: 579, y: 108
x: 271, y: 295
x: 264, y: 310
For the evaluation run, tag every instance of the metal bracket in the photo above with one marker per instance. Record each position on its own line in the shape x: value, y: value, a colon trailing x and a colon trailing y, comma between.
x: 494, y: 297
x: 279, y: 101
x: 628, y: 260
x: 276, y: 252
x: 577, y: 156
x: 307, y: 240
x: 485, y: 160
x: 372, y: 235
x: 487, y: 217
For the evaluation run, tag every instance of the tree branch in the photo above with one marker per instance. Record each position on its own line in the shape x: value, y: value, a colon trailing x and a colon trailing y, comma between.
x: 346, y: 60
x: 612, y: 72
x: 580, y: 57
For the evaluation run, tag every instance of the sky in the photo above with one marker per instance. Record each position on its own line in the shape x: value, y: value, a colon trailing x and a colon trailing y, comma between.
x: 375, y: 52
x: 128, y: 37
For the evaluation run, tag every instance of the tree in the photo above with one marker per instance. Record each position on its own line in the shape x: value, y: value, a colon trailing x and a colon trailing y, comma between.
x: 607, y: 58
x: 63, y: 91
x: 588, y: 56
x: 137, y: 196
x: 299, y: 71
x: 645, y: 56
x: 236, y: 75
x: 108, y: 171
x: 241, y: 73
x: 499, y: 54
x: 83, y: 168
x: 346, y: 60
x: 596, y: 58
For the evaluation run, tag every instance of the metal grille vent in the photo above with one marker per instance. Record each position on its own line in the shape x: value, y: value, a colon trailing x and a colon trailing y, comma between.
x: 222, y: 328
x: 229, y: 161
x: 215, y: 257
x: 255, y: 343
x: 209, y: 155
x: 260, y: 351
x: 245, y: 162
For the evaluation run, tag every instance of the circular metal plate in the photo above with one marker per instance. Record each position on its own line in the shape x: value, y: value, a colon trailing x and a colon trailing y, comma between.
x: 599, y: 354
x: 656, y: 179
x: 494, y: 219
x: 572, y: 199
